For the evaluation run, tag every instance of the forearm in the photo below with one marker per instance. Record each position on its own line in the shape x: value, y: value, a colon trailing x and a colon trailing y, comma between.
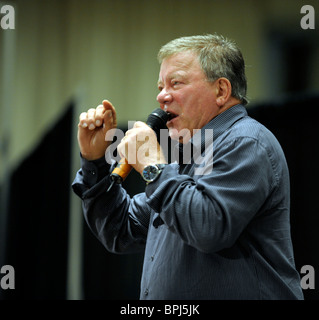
x: 114, y: 218
x: 187, y: 210
x: 210, y: 212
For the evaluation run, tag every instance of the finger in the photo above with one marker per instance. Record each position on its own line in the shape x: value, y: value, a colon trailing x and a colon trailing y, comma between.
x: 130, y: 135
x: 129, y: 132
x: 121, y: 148
x: 99, y: 115
x: 83, y: 120
x: 91, y: 118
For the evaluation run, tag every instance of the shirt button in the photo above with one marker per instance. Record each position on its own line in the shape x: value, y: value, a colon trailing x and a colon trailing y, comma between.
x: 92, y: 173
x: 146, y: 292
x: 152, y: 258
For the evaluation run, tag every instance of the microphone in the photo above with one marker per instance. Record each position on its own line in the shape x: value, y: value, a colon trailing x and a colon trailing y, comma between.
x: 157, y: 121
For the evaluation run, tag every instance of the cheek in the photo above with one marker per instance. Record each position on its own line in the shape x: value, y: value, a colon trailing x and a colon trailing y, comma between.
x: 196, y: 106
x: 189, y: 121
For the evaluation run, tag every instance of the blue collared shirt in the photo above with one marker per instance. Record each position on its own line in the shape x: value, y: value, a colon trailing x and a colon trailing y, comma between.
x: 220, y: 234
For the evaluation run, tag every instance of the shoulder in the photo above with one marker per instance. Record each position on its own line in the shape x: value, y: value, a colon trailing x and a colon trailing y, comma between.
x: 250, y: 139
x: 250, y: 130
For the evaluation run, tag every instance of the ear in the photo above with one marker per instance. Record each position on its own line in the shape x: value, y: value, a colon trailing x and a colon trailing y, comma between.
x: 223, y: 90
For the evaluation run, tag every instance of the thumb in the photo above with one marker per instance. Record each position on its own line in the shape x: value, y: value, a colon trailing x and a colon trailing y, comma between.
x: 109, y: 120
x: 109, y: 106
x: 139, y: 124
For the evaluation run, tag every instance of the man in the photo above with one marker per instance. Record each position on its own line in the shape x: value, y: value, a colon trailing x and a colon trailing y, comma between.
x: 220, y: 234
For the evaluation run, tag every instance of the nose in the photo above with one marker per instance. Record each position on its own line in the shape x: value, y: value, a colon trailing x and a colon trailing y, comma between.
x: 164, y: 97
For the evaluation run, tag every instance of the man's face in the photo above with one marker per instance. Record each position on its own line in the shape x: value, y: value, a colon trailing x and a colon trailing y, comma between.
x: 186, y: 94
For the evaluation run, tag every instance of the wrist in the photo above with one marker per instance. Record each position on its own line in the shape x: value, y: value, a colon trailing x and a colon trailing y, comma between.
x: 90, y: 156
x: 151, y: 172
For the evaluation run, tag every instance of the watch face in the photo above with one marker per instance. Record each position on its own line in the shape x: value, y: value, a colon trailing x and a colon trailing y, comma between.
x: 150, y: 173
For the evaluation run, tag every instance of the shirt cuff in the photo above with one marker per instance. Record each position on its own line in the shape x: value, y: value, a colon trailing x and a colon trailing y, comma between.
x: 94, y: 171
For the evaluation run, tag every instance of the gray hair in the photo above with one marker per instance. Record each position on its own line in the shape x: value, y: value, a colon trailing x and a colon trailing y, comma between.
x: 218, y: 57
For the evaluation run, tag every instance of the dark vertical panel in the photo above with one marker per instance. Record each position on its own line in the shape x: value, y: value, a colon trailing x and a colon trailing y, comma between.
x: 294, y: 121
x: 37, y: 228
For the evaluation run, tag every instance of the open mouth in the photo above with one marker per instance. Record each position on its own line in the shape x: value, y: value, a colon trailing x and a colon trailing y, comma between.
x: 171, y: 116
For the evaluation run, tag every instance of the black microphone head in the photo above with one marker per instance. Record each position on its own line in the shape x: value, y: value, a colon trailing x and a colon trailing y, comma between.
x: 157, y: 120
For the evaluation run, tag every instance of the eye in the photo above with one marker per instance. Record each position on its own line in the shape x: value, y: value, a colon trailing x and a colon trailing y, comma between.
x: 175, y: 83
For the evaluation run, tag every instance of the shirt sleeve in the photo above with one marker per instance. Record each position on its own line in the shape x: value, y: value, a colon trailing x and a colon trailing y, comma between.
x: 210, y: 212
x: 119, y: 222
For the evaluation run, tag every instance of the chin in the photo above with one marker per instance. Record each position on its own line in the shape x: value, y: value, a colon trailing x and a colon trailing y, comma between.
x: 183, y: 135
x: 173, y: 133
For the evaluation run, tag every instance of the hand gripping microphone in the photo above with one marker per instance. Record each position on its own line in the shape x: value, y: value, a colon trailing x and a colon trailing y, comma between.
x: 157, y: 121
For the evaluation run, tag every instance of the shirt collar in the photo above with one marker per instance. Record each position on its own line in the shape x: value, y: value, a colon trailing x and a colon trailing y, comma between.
x: 219, y: 124
x: 225, y: 120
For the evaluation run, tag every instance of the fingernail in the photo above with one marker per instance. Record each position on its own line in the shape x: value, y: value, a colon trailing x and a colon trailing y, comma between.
x: 92, y: 126
x: 98, y: 122
x: 84, y: 124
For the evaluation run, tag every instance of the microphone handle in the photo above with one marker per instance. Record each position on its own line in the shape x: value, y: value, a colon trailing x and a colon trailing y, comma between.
x: 121, y: 171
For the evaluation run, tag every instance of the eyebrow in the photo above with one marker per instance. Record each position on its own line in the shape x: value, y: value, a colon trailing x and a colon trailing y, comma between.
x: 172, y: 76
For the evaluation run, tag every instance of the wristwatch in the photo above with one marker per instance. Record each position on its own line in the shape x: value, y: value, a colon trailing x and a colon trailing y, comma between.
x: 151, y: 173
